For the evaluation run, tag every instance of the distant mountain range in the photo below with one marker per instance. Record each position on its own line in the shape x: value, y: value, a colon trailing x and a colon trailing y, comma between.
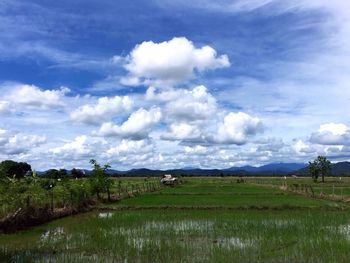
x: 272, y: 169
x: 268, y: 169
x: 338, y: 169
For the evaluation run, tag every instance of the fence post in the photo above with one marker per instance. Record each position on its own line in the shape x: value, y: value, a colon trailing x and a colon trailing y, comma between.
x: 312, y: 191
x: 52, y: 207
x: 341, y: 192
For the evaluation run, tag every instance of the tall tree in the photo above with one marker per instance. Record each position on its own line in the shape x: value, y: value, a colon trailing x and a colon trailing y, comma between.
x: 99, y: 179
x: 313, y: 170
x: 324, y: 166
x: 320, y: 166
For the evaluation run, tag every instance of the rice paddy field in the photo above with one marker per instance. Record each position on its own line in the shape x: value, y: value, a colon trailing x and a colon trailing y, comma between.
x: 201, y: 220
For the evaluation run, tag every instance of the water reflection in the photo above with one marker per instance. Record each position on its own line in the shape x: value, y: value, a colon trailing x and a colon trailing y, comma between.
x: 53, y: 234
x: 105, y: 215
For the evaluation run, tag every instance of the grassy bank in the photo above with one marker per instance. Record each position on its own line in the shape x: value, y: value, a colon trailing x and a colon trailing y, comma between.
x: 32, y: 201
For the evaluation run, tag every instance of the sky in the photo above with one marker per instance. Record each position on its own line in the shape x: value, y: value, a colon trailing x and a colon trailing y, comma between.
x: 165, y: 84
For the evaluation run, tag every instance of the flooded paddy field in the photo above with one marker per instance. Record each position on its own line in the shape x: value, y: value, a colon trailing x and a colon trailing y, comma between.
x: 186, y: 236
x: 262, y: 224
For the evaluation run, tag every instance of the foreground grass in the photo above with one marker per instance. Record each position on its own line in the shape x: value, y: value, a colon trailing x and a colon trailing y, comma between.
x: 183, y: 236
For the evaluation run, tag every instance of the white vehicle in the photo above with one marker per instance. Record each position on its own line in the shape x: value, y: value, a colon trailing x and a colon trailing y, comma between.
x: 168, y: 179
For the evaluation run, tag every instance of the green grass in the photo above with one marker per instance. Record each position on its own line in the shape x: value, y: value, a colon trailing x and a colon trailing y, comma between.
x: 345, y: 191
x: 219, y: 187
x: 223, y: 192
x: 332, y: 185
x: 225, y: 200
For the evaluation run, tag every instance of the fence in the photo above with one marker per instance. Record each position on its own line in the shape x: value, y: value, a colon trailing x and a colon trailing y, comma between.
x: 130, y: 189
x: 334, y: 192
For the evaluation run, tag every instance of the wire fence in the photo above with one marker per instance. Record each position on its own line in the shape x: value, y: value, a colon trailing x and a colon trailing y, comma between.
x: 338, y: 192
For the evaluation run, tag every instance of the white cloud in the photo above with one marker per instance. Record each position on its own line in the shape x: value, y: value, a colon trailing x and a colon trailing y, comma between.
x: 33, y: 96
x: 198, y: 149
x: 104, y: 109
x: 302, y: 148
x: 272, y: 7
x: 271, y: 145
x: 163, y: 95
x: 172, y: 61
x: 126, y: 147
x: 182, y: 131
x: 334, y: 128
x: 13, y: 143
x: 237, y: 127
x: 137, y: 126
x: 188, y: 113
x: 332, y: 134
x: 4, y: 107
x: 192, y: 117
x: 79, y: 148
x: 191, y: 105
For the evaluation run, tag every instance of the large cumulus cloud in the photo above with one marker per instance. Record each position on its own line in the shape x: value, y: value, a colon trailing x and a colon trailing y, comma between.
x: 170, y: 62
x: 331, y: 134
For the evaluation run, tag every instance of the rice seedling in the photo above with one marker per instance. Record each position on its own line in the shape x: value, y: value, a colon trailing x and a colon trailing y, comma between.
x: 187, y: 236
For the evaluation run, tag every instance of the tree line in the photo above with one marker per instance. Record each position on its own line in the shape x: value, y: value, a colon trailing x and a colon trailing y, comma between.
x: 19, y: 170
x: 20, y: 186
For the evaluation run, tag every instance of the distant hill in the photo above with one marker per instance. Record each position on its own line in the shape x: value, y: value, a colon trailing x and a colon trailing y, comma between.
x: 341, y: 168
x: 272, y: 169
x: 338, y: 169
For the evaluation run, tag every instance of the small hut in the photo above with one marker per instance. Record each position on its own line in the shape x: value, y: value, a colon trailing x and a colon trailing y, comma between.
x: 168, y: 179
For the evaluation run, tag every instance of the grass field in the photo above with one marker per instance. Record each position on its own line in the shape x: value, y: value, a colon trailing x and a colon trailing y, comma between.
x: 224, y: 192
x: 302, y: 229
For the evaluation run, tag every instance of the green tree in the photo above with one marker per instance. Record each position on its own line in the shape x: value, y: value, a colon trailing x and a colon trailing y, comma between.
x: 99, y: 179
x: 324, y: 166
x: 76, y: 173
x: 62, y: 174
x: 52, y: 174
x: 320, y: 166
x: 313, y: 171
x: 11, y: 168
x: 56, y: 174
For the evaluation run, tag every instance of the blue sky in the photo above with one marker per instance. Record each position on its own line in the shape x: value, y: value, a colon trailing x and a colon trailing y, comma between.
x: 169, y: 84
